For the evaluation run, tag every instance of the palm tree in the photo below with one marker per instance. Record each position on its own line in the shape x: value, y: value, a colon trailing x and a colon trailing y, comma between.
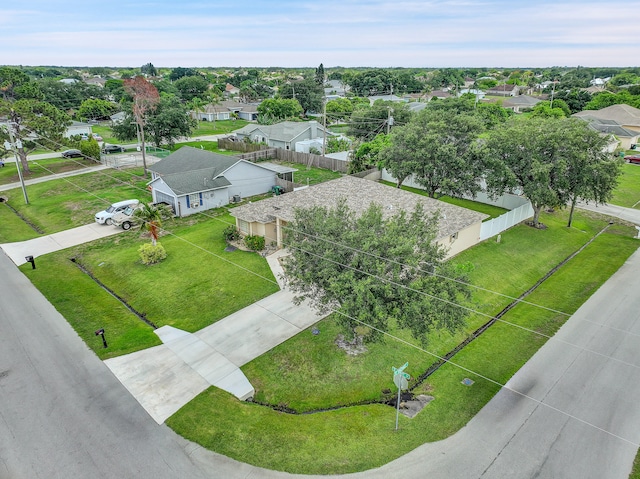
x: 214, y: 97
x: 197, y: 105
x: 151, y: 217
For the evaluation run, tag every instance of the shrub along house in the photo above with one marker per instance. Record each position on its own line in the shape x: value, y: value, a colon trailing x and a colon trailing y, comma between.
x: 193, y: 180
x: 458, y: 229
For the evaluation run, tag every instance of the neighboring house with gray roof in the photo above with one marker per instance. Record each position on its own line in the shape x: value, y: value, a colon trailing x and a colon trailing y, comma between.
x: 504, y: 90
x: 283, y: 135
x: 622, y: 137
x: 193, y: 180
x: 393, y: 98
x: 458, y: 228
x: 225, y: 110
x: 624, y: 115
x: 334, y: 89
x: 519, y: 103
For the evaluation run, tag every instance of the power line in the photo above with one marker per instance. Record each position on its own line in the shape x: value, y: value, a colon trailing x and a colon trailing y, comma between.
x: 403, y: 264
x: 413, y: 345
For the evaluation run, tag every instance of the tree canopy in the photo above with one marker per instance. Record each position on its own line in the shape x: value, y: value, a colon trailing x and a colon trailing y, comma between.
x: 169, y: 121
x: 191, y: 87
x: 439, y: 148
x: 374, y: 270
x: 277, y: 109
x: 22, y: 104
x: 552, y: 161
x: 308, y: 93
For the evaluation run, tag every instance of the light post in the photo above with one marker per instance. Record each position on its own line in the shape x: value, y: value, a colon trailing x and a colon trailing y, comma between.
x: 14, y: 146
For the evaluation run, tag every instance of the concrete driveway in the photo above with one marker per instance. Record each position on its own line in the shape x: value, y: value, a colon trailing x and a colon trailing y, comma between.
x: 164, y: 378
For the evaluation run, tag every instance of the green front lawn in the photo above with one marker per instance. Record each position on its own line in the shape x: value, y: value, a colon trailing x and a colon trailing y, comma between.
x: 66, y: 203
x: 628, y: 191
x: 12, y: 227
x: 310, y: 372
x: 218, y: 127
x: 310, y: 174
x: 492, y: 211
x: 40, y: 168
x: 204, y: 145
x: 198, y: 284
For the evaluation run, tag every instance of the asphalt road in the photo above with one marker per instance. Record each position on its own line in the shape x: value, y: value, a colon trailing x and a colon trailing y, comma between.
x: 64, y: 415
x: 576, y: 415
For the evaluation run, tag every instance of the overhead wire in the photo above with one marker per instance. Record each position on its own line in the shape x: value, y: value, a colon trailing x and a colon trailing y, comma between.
x: 449, y: 361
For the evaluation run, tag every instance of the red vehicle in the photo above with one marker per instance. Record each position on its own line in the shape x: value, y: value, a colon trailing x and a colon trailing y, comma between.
x: 632, y: 159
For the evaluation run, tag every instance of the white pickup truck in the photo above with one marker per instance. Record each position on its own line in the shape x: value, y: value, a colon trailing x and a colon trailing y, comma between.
x: 124, y: 219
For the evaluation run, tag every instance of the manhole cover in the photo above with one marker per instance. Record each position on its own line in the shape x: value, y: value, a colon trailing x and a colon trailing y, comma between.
x: 467, y: 381
x: 230, y: 248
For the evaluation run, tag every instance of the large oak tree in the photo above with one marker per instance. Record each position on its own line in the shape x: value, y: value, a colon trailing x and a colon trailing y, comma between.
x: 376, y: 271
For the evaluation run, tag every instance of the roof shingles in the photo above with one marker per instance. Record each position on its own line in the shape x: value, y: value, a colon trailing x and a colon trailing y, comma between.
x: 359, y: 195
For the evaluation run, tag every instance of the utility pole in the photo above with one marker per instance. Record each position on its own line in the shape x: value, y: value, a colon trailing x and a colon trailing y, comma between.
x: 324, y: 126
x: 14, y: 146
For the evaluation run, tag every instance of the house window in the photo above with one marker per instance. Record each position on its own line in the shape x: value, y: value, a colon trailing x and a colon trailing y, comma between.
x: 243, y: 226
x: 194, y: 200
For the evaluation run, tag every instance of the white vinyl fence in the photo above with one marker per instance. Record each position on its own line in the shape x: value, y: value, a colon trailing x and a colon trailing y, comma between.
x: 519, y: 208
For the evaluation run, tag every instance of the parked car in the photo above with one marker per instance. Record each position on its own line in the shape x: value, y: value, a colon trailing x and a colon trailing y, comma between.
x: 96, y: 137
x: 106, y: 216
x: 124, y: 219
x: 71, y: 154
x: 632, y: 159
x: 113, y: 149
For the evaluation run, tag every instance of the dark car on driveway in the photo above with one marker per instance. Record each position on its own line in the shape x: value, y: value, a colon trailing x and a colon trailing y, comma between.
x: 113, y: 149
x: 71, y: 154
x: 632, y: 159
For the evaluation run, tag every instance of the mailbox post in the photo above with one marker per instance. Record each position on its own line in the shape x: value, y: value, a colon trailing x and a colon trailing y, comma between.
x: 100, y: 332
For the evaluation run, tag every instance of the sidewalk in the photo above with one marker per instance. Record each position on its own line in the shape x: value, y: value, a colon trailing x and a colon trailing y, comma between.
x: 88, y: 169
x: 165, y: 378
x: 57, y: 241
x: 627, y: 214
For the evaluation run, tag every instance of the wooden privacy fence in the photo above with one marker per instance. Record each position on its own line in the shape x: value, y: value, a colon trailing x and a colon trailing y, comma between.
x: 235, y: 145
x: 253, y: 152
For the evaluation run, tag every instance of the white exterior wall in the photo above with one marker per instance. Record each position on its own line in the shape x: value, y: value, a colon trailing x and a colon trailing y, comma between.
x: 78, y: 130
x: 465, y: 239
x: 519, y: 209
x: 248, y: 179
x: 245, y: 115
x: 210, y: 199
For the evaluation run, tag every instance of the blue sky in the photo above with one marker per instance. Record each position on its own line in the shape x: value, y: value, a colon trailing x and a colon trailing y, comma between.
x: 376, y: 33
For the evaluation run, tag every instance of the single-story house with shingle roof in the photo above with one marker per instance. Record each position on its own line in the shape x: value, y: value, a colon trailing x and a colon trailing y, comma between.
x: 621, y: 136
x: 504, y: 90
x: 458, y: 229
x: 283, y: 135
x: 193, y: 180
x: 623, y: 114
x: 224, y: 110
x: 518, y: 103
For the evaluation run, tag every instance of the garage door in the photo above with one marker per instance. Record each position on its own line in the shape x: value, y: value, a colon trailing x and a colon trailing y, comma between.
x: 165, y: 198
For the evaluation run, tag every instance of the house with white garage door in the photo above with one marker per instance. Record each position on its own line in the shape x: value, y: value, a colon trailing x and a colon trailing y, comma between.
x: 193, y: 180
